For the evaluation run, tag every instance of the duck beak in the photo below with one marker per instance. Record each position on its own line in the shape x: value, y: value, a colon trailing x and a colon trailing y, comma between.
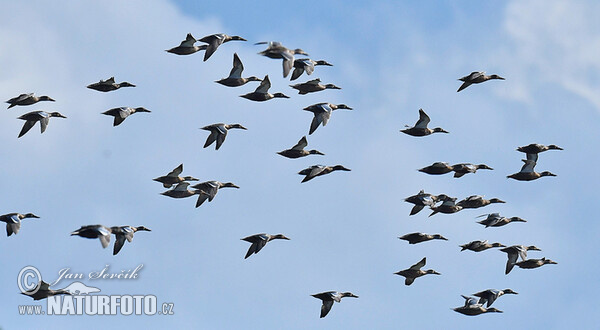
x: 62, y: 116
x: 53, y: 100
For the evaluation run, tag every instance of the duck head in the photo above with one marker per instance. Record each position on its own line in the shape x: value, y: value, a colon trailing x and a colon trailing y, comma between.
x: 229, y: 185
x: 47, y: 98
x: 142, y: 228
x: 253, y: 78
x: 483, y: 167
x: 438, y: 236
x: 315, y: 152
x: 321, y: 62
x: 496, y: 200
x: 141, y: 109
x: 126, y: 84
x: 57, y: 114
x: 280, y: 236
x: 546, y: 173
x: 331, y: 86
x: 495, y: 76
x: 187, y: 178
x: 439, y: 130
x: 517, y: 219
x: 281, y: 95
x: 342, y: 106
x: 548, y: 261
x: 299, y: 51
x: 533, y: 248
x: 349, y: 294
x: 509, y: 291
x: 498, y: 245
x: 493, y: 310
x: 30, y: 215
x: 237, y: 38
x: 340, y: 168
x: 236, y: 126
x: 431, y: 271
x: 550, y: 147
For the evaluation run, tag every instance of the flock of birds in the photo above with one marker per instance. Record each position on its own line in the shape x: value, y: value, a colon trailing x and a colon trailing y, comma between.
x: 179, y: 186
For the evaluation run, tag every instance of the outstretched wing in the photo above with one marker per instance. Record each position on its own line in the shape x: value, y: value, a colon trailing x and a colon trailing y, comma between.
x: 301, y: 144
x: 176, y: 172
x: 238, y: 67
x: 419, y: 264
x: 26, y: 127
x: 326, y: 307
x: 423, y: 120
x: 119, y: 243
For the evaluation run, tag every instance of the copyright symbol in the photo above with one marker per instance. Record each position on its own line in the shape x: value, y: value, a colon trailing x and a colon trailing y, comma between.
x: 23, y: 280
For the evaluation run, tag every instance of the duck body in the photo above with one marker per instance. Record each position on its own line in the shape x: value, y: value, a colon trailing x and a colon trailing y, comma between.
x: 448, y: 206
x: 415, y: 238
x: 262, y: 92
x: 108, y: 85
x: 43, y: 291
x: 27, y: 99
x: 123, y: 233
x: 478, y: 246
x: 218, y: 133
x: 490, y: 295
x: 121, y: 113
x: 259, y: 241
x: 31, y: 118
x: 209, y: 190
x: 95, y: 231
x: 276, y: 50
x: 476, y: 201
x: 329, y: 297
x: 535, y: 148
x: 235, y: 75
x: 216, y: 40
x: 421, y: 200
x: 312, y: 86
x: 476, y: 78
x: 465, y: 168
x: 322, y: 113
x: 495, y: 220
x: 13, y: 221
x: 514, y: 252
x: 420, y: 128
x: 181, y: 191
x: 415, y: 271
x: 318, y: 170
x: 528, y: 173
x: 187, y: 46
x: 534, y: 263
x: 437, y: 168
x: 306, y: 65
x: 298, y: 151
x: 173, y: 177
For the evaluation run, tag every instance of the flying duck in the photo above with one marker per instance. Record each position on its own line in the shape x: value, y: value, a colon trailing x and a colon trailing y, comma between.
x: 306, y: 64
x: 218, y: 132
x: 479, y: 246
x: 173, y: 177
x: 535, y: 148
x: 415, y: 271
x: 476, y: 201
x: 95, y: 231
x: 13, y: 221
x: 448, y: 206
x: 27, y: 99
x: 415, y: 238
x: 259, y: 241
x: 181, y: 191
x: 527, y: 172
x: 420, y: 128
x: 276, y: 50
x: 490, y: 295
x: 514, y: 252
x: 495, y: 220
x: 125, y: 233
x: 464, y: 168
x: 187, y: 46
x: 33, y: 117
x: 298, y: 151
x: 235, y: 75
x: 43, y: 291
x: 322, y: 113
x: 123, y: 112
x: 421, y: 200
x: 534, y: 263
x: 329, y: 297
x: 262, y: 92
x: 312, y: 86
x: 437, y: 168
x: 476, y: 78
x: 109, y: 85
x: 209, y: 190
x: 472, y: 308
x: 216, y: 40
x: 318, y: 170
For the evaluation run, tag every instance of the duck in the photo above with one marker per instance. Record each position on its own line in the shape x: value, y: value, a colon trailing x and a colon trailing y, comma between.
x: 329, y: 297
x: 495, y: 220
x: 472, y: 308
x: 27, y: 99
x: 276, y: 50
x: 33, y: 117
x: 122, y: 113
x: 305, y: 64
x: 13, y: 221
x: 318, y: 170
x: 312, y: 86
x: 216, y: 40
x: 476, y: 77
x: 43, y: 291
x: 415, y: 238
x: 464, y: 168
x: 478, y: 246
x: 490, y: 295
x: 437, y: 168
x: 514, y: 252
x: 173, y: 177
x: 181, y: 191
x: 235, y: 75
x: 95, y: 231
x: 420, y: 128
x: 527, y: 172
x: 218, y: 132
x: 534, y: 263
x: 477, y: 201
x: 187, y: 46
x: 259, y: 241
x: 448, y: 206
x: 262, y: 92
x: 421, y: 200
x: 415, y: 271
x: 298, y: 151
x: 322, y: 113
x: 209, y: 190
x: 535, y: 148
x: 108, y: 85
x: 123, y: 233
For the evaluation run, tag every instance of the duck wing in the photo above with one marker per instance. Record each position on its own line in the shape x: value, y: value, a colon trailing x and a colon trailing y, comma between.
x: 120, y: 241
x: 104, y: 240
x: 423, y: 120
x: 301, y: 144
x: 288, y: 62
x: 26, y: 127
x: 463, y: 86
x: 326, y: 307
x: 297, y: 73
x: 214, y: 41
x: 419, y: 264
x: 264, y: 86
x: 238, y: 67
x: 176, y: 172
x: 528, y: 167
x: 211, y: 138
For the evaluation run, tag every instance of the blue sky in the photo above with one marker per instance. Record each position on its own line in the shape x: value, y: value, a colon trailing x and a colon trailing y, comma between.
x: 390, y: 60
